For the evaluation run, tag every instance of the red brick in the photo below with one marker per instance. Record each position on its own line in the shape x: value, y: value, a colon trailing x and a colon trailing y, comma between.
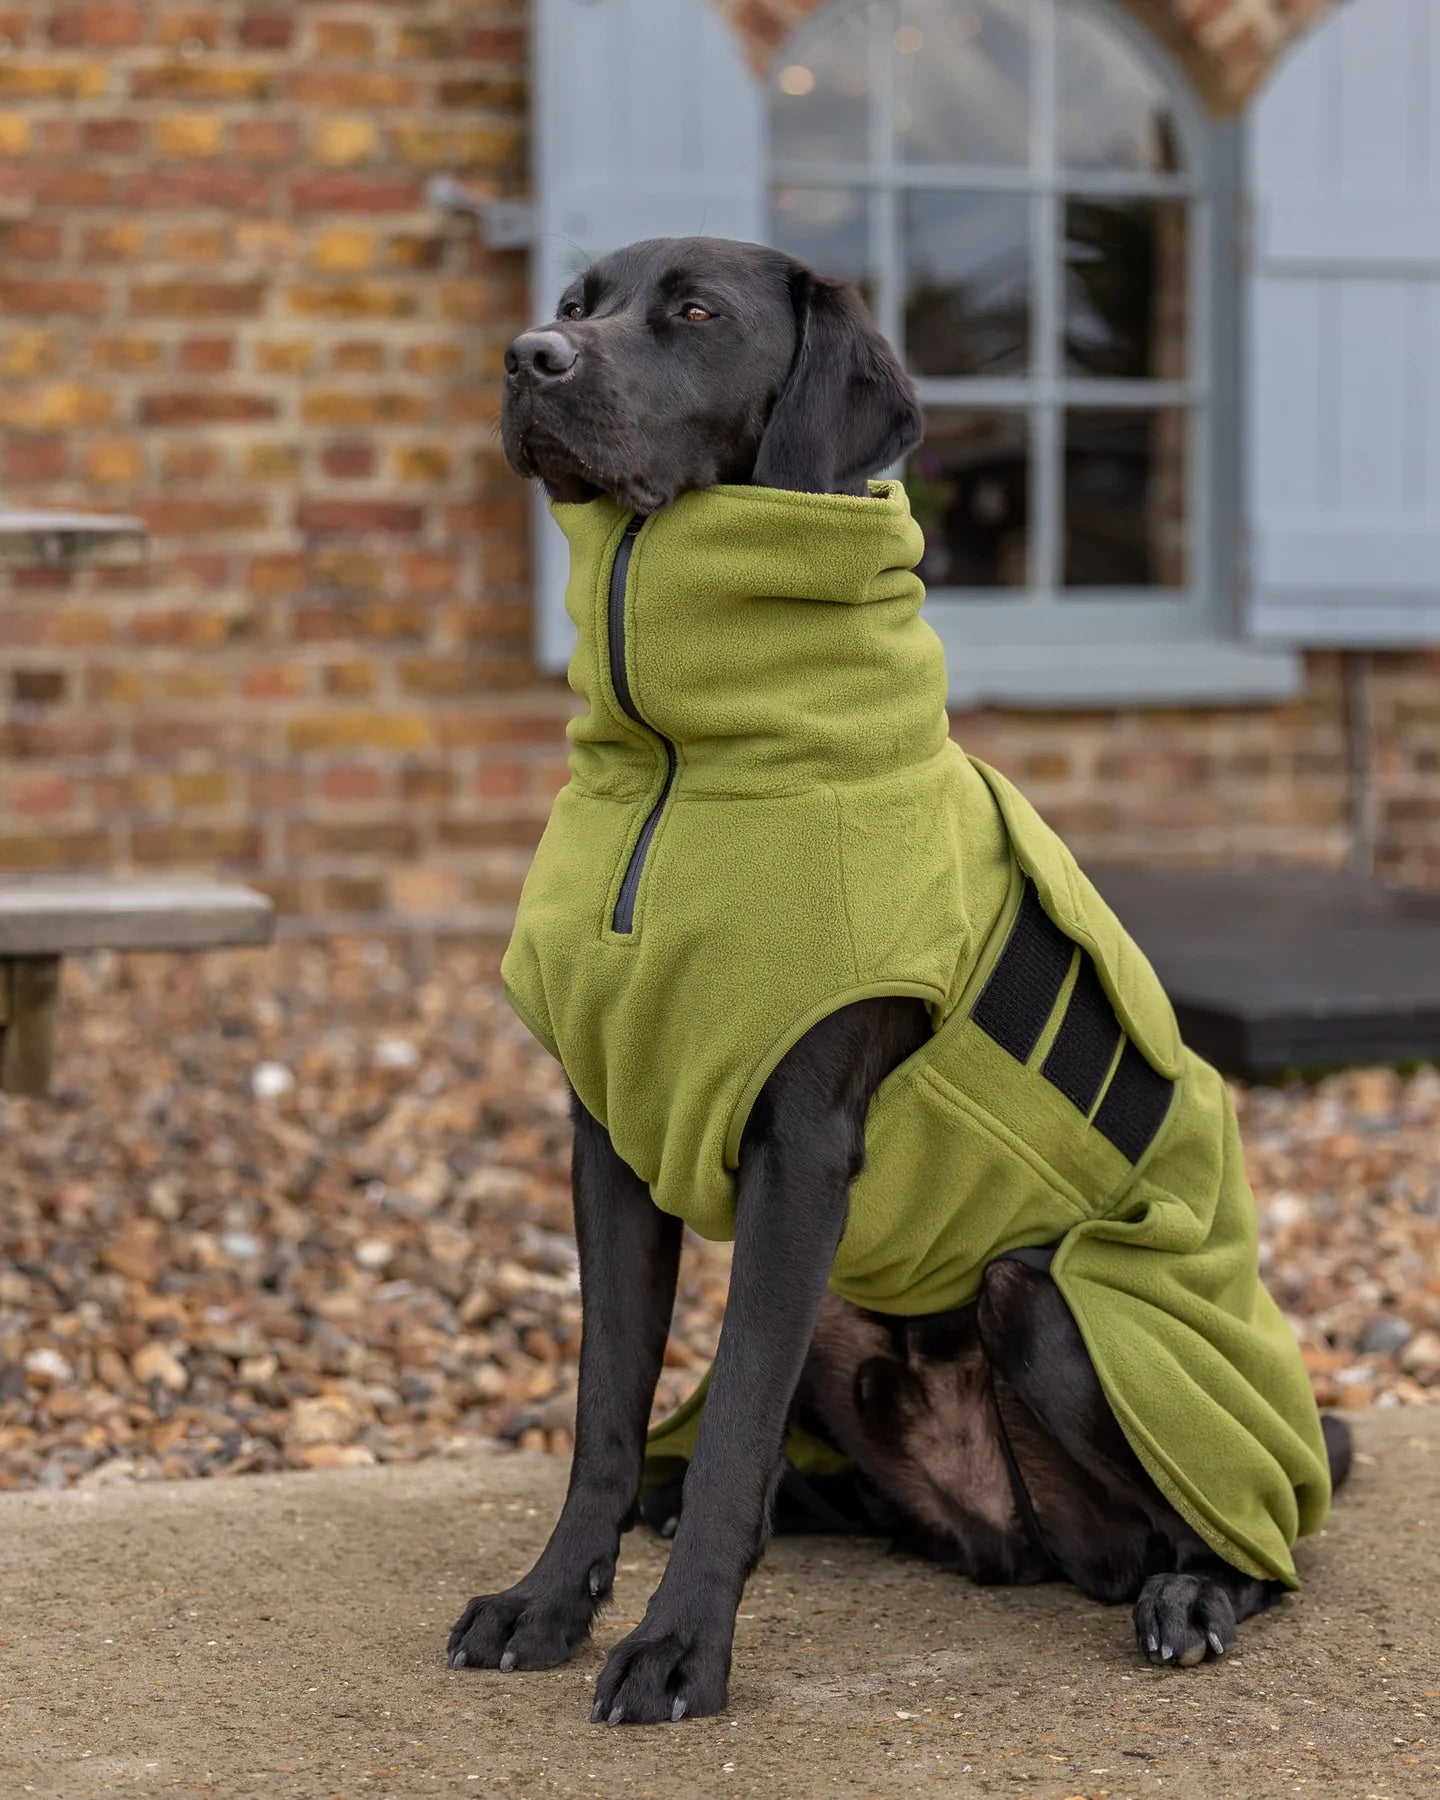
x: 57, y: 737
x: 348, y: 461
x: 69, y: 188
x: 37, y: 687
x: 264, y: 141
x: 35, y: 297
x: 109, y: 26
x: 194, y: 185
x: 207, y: 356
x: 358, y: 516
x: 202, y: 406
x: 175, y: 515
x: 29, y: 460
x: 266, y: 31
x: 350, y: 783
x: 34, y: 240
x: 112, y: 137
x: 198, y: 299
x: 276, y: 681
x: 341, y: 191
x: 41, y: 794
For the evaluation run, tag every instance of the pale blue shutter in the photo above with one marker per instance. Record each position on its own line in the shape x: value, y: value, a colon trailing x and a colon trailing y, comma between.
x: 647, y: 123
x: 1344, y: 364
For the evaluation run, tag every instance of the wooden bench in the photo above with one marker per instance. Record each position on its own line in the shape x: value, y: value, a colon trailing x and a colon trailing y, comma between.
x: 45, y: 918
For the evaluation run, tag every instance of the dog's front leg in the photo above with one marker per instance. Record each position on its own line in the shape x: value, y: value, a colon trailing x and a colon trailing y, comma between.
x: 796, y: 1165
x: 629, y: 1257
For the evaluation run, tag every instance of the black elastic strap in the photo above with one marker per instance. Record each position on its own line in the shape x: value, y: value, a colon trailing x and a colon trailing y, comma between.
x: 1025, y: 983
x: 1134, y: 1106
x: 1085, y: 1045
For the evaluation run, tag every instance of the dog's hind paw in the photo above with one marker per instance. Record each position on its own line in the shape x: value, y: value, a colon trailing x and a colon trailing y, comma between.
x: 660, y: 1508
x: 1183, y: 1619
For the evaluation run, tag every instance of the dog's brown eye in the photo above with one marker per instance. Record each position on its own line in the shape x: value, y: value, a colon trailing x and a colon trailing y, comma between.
x: 573, y: 311
x: 697, y: 315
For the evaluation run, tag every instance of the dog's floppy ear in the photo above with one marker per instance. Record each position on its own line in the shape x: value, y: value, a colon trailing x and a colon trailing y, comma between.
x: 847, y: 408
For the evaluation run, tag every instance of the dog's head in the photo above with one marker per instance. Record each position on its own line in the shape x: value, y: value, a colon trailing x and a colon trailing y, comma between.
x: 681, y: 362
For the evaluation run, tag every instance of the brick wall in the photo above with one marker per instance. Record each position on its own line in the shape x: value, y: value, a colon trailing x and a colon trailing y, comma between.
x: 224, y: 303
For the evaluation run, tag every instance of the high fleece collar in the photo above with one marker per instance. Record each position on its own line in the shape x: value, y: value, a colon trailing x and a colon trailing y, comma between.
x: 773, y: 638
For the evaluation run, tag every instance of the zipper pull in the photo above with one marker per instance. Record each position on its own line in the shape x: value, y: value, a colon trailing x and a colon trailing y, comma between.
x: 636, y: 520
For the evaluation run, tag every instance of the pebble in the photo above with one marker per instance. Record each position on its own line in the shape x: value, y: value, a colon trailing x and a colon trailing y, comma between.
x: 1421, y: 1356
x: 47, y: 1366
x: 1384, y: 1335
x: 329, y: 1420
x: 158, y: 1362
x: 270, y: 1080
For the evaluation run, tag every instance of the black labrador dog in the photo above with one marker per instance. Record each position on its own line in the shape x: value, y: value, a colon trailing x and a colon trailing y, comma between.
x: 980, y: 1436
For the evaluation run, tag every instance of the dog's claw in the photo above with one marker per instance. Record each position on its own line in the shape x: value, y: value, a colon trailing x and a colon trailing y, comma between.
x: 507, y: 1662
x: 679, y: 1710
x: 617, y: 1713
x: 1216, y: 1642
x: 457, y: 1661
x: 1166, y: 1653
x: 671, y: 1526
x: 596, y: 1713
x: 1152, y: 1643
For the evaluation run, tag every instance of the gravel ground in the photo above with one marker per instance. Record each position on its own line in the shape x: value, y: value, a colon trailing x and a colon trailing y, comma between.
x: 308, y: 1208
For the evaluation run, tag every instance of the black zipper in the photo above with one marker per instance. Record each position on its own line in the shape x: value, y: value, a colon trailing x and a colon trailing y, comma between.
x: 623, y: 918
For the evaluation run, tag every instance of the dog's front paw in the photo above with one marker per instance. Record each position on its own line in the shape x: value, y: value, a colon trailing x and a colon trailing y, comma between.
x: 523, y: 1628
x: 658, y: 1676
x: 1183, y: 1619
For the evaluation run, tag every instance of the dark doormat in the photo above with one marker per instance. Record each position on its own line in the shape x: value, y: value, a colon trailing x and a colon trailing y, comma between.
x: 1288, y: 968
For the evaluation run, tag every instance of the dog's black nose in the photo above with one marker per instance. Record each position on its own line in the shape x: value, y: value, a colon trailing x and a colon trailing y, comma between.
x: 540, y: 358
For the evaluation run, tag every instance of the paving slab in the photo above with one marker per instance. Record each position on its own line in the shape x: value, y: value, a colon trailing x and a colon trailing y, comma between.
x: 282, y: 1636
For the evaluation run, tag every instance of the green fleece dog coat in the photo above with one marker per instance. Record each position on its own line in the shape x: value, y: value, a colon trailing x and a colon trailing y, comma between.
x: 765, y: 820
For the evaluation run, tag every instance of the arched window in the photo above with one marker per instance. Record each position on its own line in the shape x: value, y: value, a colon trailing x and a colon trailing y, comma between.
x: 1025, y: 192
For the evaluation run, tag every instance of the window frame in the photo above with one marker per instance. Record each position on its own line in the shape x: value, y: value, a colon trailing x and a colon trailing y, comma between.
x: 1044, y: 642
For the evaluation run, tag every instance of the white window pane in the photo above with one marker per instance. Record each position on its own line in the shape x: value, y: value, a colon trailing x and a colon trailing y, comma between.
x: 967, y: 283
x: 962, y: 81
x: 1114, y: 113
x: 1126, y: 312
x: 969, y: 486
x: 820, y: 92
x: 1125, y: 497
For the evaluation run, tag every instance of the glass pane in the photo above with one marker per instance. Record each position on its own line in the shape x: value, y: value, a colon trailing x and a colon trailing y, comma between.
x: 969, y: 486
x: 820, y: 92
x: 962, y: 81
x: 1126, y: 522
x: 967, y: 283
x: 1126, y: 288
x: 828, y: 228
x: 1114, y: 112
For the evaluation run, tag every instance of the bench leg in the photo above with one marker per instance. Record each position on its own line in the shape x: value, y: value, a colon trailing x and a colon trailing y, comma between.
x: 29, y: 990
